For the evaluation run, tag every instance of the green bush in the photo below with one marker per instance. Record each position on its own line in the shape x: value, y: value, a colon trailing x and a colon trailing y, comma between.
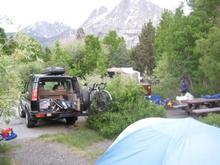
x: 128, y: 106
x: 212, y: 119
x: 24, y: 71
x: 167, y: 88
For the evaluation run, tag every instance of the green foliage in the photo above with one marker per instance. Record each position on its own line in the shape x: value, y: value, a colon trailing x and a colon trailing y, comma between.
x: 8, y: 86
x: 2, y: 36
x: 143, y: 54
x: 183, y: 45
x: 117, y: 54
x: 113, y: 40
x: 21, y: 56
x: 7, y: 45
x: 47, y: 54
x: 10, y: 45
x: 3, y: 40
x: 13, y: 75
x: 175, y: 45
x: 89, y: 58
x: 27, y: 49
x: 211, y: 7
x: 24, y: 71
x: 59, y: 56
x: 212, y: 119
x: 174, y: 40
x: 210, y: 61
x: 128, y: 106
x: 169, y: 85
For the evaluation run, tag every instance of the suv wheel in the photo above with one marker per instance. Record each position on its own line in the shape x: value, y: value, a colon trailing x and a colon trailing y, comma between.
x: 85, y: 98
x: 29, y: 123
x: 21, y: 113
x: 71, y: 120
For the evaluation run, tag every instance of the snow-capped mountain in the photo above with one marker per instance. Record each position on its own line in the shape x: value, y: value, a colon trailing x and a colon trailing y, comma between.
x: 47, y: 33
x: 127, y: 18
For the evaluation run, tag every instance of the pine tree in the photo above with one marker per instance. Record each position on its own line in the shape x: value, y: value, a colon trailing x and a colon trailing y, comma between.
x: 143, y: 54
x: 3, y: 40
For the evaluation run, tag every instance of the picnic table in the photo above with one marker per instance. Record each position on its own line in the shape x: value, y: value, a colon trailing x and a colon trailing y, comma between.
x: 201, y: 105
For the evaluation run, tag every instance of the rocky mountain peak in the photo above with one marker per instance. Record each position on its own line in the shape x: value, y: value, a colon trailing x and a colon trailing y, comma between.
x: 127, y: 18
x: 46, y: 29
x: 46, y: 33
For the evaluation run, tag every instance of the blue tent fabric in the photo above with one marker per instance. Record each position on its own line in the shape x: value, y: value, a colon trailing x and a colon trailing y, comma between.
x: 157, y: 141
x: 154, y: 98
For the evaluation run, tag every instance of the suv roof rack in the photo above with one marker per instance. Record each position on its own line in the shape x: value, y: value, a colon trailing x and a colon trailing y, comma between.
x: 54, y: 70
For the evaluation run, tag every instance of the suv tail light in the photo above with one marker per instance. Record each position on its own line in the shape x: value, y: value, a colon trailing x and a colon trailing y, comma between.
x: 34, y: 95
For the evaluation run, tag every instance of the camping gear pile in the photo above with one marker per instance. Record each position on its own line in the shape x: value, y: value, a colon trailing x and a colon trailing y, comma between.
x: 187, y: 96
x: 7, y: 134
x: 56, y: 104
x: 156, y: 99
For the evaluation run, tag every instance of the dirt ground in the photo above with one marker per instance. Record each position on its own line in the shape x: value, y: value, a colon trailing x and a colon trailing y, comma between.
x: 31, y: 150
x: 176, y: 113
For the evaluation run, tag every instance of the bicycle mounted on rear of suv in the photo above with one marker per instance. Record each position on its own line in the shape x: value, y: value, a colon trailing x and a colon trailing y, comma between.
x: 52, y: 95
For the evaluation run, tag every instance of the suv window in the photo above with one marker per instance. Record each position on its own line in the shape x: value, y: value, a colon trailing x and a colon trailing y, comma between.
x: 28, y: 86
x: 56, y: 84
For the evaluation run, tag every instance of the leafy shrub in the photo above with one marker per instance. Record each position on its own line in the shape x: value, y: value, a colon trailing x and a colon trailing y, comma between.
x: 167, y: 88
x: 24, y: 71
x: 212, y: 119
x: 128, y: 106
x: 8, y: 86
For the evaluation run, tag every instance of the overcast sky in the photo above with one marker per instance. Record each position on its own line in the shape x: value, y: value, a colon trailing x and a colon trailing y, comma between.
x: 70, y: 12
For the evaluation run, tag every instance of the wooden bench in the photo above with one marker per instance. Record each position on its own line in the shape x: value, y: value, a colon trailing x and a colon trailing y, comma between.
x: 180, y: 106
x: 206, y: 110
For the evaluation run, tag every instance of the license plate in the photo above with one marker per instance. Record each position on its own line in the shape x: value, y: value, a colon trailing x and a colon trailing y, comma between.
x: 49, y: 114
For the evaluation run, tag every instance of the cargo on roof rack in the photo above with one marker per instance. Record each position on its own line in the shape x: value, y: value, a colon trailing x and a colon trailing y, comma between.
x: 54, y: 70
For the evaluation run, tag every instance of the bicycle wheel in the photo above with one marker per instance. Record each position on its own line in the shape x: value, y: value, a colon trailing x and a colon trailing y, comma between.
x: 106, y: 98
x: 101, y: 101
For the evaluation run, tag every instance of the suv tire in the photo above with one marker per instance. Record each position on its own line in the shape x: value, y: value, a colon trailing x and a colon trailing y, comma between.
x: 21, y: 113
x: 85, y: 98
x: 28, y: 121
x: 71, y: 120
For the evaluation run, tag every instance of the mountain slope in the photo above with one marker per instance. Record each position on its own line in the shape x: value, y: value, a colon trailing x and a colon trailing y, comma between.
x: 127, y: 18
x: 47, y: 33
